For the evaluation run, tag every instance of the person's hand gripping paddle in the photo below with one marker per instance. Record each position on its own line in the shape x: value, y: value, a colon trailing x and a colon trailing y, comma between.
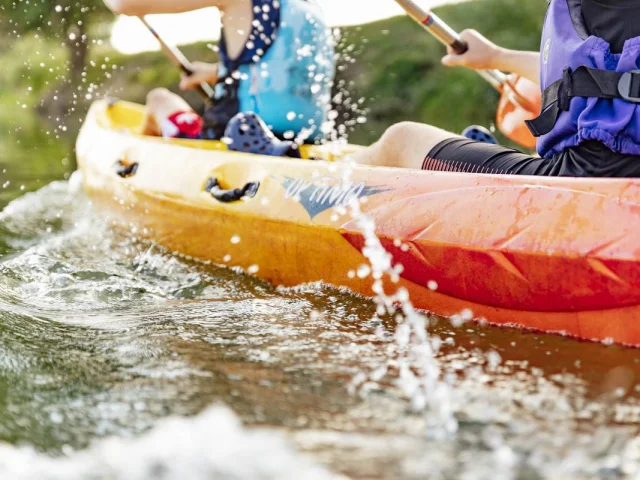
x: 520, y: 98
x: 176, y: 57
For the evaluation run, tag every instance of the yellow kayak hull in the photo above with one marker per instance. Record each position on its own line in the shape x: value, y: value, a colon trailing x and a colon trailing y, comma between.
x: 554, y: 255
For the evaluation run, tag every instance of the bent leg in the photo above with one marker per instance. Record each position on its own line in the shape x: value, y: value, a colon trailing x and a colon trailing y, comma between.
x: 418, y: 146
x: 404, y: 145
x: 161, y: 104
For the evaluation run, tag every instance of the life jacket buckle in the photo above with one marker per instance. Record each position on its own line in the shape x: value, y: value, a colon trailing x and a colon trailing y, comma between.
x: 629, y: 86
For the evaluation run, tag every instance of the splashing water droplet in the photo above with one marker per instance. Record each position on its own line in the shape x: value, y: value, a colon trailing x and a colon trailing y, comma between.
x: 253, y: 269
x: 363, y: 271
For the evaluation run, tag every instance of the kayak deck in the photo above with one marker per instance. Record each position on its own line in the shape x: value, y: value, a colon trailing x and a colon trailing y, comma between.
x: 556, y: 255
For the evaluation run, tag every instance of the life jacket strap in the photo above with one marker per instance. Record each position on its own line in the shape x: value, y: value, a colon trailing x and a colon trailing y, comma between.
x: 583, y: 82
x: 217, y: 115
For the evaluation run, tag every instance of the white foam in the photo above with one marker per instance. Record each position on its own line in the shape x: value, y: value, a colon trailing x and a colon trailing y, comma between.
x: 213, y: 445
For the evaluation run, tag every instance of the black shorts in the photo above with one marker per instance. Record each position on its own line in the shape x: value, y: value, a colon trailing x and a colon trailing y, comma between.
x: 589, y: 159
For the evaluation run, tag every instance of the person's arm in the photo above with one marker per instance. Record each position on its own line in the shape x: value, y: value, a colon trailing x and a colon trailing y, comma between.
x: 485, y: 55
x: 144, y: 7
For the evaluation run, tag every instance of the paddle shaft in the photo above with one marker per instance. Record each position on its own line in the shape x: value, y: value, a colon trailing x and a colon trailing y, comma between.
x: 449, y: 37
x: 179, y: 60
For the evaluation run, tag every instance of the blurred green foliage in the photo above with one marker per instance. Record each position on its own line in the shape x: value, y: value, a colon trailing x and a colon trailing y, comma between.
x: 51, y: 18
x: 66, y: 22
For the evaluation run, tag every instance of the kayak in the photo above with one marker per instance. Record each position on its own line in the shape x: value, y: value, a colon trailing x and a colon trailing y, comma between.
x: 555, y: 255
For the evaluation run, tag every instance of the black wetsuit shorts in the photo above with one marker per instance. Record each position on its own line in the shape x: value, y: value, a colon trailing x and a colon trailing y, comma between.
x: 589, y: 159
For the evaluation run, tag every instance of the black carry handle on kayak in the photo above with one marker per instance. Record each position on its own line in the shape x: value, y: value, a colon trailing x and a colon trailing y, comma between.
x: 179, y: 60
x: 233, y: 194
x: 125, y: 169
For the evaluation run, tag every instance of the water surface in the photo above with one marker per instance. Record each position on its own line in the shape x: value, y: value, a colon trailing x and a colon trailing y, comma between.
x: 120, y: 359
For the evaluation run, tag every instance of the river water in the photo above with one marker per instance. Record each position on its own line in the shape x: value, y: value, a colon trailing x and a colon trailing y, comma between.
x: 120, y: 361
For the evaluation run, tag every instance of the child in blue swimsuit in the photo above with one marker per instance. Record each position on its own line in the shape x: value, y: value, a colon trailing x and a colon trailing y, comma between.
x: 276, y: 61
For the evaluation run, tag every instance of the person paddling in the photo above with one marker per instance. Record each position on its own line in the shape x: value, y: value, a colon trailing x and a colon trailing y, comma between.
x: 590, y: 122
x: 276, y: 68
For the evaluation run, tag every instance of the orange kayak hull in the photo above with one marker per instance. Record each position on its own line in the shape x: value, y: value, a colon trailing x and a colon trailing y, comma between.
x: 554, y: 255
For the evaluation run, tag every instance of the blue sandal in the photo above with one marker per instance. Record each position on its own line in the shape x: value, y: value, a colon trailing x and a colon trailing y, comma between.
x: 246, y: 132
x: 479, y: 134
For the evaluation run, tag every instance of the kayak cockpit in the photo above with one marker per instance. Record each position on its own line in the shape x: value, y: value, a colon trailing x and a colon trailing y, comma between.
x: 122, y: 116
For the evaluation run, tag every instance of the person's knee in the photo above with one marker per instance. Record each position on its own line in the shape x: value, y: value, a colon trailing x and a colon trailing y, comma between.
x: 398, y: 134
x: 402, y: 133
x: 395, y: 141
x: 158, y: 96
x: 406, y: 144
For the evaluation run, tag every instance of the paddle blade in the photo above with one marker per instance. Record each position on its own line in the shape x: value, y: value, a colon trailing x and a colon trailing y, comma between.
x: 520, y: 101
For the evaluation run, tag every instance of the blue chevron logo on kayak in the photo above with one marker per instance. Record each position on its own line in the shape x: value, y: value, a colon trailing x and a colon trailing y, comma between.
x: 323, y: 194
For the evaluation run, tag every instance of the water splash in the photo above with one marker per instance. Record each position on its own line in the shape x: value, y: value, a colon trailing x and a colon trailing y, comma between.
x: 412, y: 359
x: 212, y: 445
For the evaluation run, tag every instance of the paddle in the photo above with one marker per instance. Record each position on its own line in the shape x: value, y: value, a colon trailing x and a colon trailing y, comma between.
x: 179, y: 60
x: 520, y: 98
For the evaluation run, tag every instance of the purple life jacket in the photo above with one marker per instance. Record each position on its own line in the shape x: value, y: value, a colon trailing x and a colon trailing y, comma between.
x: 588, y: 92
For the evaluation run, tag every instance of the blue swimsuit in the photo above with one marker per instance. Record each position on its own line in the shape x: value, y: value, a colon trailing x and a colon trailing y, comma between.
x: 284, y: 73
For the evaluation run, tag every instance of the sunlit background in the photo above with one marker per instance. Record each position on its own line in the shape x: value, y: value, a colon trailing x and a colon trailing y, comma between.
x: 130, y: 37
